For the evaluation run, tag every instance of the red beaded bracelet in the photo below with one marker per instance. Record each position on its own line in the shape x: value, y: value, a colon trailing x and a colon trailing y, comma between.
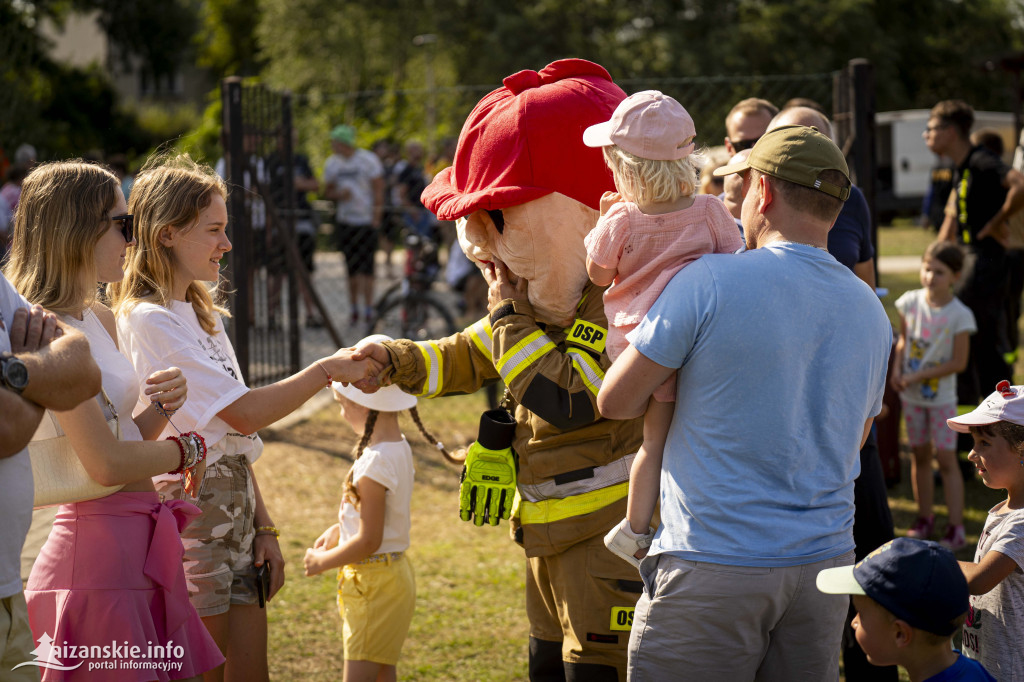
x: 200, y: 444
x: 181, y: 449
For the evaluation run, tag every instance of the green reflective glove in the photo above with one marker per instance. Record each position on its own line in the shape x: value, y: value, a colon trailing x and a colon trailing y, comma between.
x: 488, y: 485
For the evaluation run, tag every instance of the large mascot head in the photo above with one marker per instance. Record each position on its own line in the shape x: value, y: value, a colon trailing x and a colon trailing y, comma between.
x: 523, y: 187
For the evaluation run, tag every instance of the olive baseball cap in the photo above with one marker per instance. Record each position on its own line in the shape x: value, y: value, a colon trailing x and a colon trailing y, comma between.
x: 797, y: 154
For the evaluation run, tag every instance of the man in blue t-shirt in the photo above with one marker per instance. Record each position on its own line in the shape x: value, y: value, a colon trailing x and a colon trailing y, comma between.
x: 849, y: 242
x: 777, y: 387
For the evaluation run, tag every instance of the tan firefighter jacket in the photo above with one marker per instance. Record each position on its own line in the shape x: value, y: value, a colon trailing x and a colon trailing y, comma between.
x: 573, y: 463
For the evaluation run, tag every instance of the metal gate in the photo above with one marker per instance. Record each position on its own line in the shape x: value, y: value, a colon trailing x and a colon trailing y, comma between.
x: 264, y: 268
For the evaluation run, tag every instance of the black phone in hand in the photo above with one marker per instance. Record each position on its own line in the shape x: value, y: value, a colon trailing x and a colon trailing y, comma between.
x: 263, y: 583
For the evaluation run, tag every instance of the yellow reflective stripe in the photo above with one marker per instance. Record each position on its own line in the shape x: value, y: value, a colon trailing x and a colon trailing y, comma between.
x: 522, y: 355
x: 480, y: 334
x: 434, y: 362
x: 549, y: 511
x: 962, y: 204
x: 589, y: 370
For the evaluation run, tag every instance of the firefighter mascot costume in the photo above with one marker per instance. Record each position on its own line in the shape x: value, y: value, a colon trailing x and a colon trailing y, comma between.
x: 524, y: 191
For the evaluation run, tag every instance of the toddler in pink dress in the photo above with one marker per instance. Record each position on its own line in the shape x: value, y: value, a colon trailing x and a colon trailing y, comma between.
x: 649, y: 229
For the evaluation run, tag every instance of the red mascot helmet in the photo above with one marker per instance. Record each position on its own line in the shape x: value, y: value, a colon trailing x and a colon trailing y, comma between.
x: 525, y: 140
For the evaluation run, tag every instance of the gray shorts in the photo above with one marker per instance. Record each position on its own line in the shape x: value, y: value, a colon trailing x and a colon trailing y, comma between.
x: 218, y: 544
x: 698, y: 620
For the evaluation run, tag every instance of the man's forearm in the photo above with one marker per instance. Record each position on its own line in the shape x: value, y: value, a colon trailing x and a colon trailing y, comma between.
x: 63, y: 374
x: 21, y: 417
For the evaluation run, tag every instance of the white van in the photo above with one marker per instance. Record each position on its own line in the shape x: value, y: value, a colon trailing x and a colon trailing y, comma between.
x: 905, y: 164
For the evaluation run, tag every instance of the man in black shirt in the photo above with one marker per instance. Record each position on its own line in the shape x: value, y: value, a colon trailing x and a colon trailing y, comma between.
x: 985, y: 193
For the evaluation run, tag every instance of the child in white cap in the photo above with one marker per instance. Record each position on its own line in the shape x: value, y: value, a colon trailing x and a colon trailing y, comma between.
x: 376, y: 585
x: 995, y: 622
x: 653, y: 226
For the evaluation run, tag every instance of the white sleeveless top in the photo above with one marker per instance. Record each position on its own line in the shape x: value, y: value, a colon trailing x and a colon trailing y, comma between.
x: 119, y: 379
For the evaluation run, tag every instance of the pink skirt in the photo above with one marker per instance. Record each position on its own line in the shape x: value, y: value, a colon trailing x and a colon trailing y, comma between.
x: 107, y: 597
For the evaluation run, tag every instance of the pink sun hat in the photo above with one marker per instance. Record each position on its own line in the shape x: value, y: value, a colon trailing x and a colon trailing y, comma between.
x: 648, y: 124
x: 1005, y: 404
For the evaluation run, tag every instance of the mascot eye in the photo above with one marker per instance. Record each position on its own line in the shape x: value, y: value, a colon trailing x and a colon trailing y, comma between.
x: 498, y: 218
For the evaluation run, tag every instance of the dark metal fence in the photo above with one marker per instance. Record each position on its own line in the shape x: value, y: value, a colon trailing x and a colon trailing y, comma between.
x: 265, y: 268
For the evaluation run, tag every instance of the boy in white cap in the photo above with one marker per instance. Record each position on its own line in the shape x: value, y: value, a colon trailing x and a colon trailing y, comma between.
x: 995, y: 622
x: 653, y: 225
x: 910, y: 597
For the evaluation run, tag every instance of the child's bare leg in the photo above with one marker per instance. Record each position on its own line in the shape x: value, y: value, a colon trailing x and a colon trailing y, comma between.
x: 922, y: 479
x: 952, y: 484
x: 368, y: 671
x: 645, y: 475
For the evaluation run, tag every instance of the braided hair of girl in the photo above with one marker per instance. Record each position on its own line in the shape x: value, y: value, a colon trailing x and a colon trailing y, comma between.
x: 349, y: 490
x: 451, y: 459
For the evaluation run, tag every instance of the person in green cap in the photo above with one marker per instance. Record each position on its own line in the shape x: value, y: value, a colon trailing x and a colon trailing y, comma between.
x: 354, y: 180
x: 777, y: 387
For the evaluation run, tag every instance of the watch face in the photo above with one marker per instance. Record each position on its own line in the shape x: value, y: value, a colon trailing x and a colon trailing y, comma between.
x: 15, y: 374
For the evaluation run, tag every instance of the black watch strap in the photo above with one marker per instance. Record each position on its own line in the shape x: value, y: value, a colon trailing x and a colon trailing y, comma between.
x: 13, y: 373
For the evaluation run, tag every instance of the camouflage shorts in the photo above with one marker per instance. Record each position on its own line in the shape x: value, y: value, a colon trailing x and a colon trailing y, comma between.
x: 218, y: 544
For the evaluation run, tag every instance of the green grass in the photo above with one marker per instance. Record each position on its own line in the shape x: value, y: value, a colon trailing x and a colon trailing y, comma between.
x: 903, y: 239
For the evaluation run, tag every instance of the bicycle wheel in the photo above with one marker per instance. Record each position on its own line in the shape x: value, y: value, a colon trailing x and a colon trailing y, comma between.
x: 390, y: 295
x: 418, y: 316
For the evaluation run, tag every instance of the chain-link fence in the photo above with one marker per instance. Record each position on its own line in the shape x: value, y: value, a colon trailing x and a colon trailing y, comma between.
x: 297, y: 304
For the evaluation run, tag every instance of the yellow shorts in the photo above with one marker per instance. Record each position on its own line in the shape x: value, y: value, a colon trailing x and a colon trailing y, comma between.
x: 376, y: 602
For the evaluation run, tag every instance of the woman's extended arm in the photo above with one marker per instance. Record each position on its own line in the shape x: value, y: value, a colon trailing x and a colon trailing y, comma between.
x: 261, y: 407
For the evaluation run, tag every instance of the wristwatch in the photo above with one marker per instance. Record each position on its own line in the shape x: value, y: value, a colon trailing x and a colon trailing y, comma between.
x: 13, y: 373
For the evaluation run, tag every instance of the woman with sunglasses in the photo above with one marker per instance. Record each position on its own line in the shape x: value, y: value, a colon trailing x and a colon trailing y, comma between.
x: 167, y: 311
x: 110, y: 572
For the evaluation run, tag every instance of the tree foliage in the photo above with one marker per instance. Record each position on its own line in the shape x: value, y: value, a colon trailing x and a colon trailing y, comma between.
x: 156, y: 34
x: 921, y: 51
x: 69, y: 111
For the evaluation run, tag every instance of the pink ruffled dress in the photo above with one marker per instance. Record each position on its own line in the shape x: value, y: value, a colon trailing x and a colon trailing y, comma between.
x: 107, y: 597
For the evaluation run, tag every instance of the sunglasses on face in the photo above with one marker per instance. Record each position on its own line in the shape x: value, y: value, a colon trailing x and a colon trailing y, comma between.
x: 740, y: 145
x: 127, y: 221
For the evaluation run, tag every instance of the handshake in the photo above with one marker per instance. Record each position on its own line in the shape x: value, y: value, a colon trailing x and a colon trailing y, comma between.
x: 366, y: 366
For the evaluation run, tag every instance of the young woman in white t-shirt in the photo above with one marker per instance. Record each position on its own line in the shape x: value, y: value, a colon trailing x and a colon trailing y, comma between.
x: 376, y: 585
x: 166, y: 313
x: 110, y: 570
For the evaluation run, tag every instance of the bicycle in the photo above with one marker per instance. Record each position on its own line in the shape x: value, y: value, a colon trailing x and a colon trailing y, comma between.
x: 409, y: 309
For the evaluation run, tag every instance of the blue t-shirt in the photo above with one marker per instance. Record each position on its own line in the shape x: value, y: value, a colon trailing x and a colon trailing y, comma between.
x: 964, y: 670
x: 783, y: 353
x: 849, y: 240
